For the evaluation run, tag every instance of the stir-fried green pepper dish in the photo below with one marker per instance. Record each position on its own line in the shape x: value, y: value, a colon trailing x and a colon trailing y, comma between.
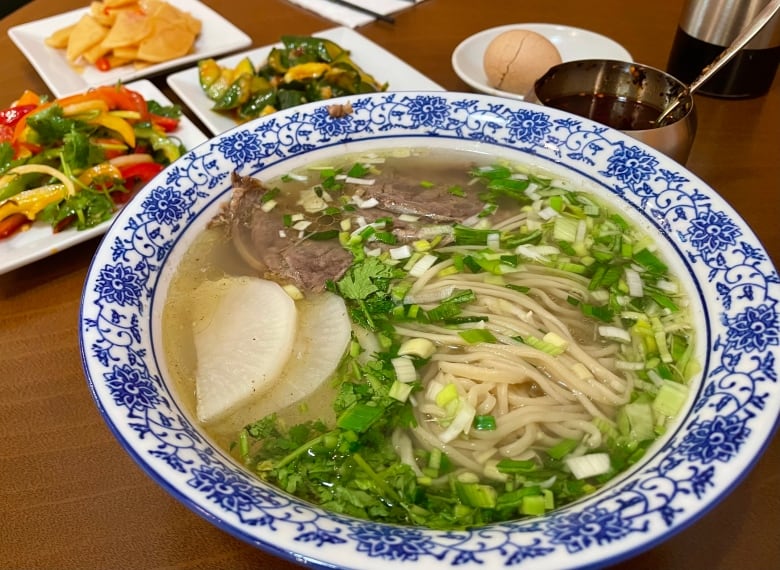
x: 305, y: 69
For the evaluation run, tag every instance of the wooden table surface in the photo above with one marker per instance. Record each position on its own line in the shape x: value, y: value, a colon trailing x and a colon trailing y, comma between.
x: 70, y: 497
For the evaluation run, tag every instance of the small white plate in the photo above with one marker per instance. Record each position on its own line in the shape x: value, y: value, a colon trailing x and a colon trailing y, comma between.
x: 572, y: 44
x: 374, y: 59
x: 218, y: 36
x: 39, y: 241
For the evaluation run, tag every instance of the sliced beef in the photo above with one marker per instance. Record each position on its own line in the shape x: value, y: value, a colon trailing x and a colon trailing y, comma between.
x: 276, y: 252
x: 280, y: 253
x: 401, y: 195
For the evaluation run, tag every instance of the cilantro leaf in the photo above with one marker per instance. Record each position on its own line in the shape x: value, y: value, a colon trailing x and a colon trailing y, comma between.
x: 84, y: 209
x: 359, y: 282
x: 78, y: 152
x: 50, y: 124
x: 170, y: 111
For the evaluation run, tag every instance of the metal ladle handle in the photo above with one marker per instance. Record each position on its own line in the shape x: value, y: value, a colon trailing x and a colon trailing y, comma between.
x: 725, y: 56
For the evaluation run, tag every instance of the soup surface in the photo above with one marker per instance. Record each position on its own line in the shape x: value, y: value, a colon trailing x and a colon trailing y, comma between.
x: 444, y: 340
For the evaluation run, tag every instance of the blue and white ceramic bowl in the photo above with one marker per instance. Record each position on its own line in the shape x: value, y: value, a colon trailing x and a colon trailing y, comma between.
x: 720, y: 436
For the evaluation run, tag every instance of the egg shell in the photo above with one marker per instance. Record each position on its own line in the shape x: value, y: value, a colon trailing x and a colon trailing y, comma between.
x: 515, y: 59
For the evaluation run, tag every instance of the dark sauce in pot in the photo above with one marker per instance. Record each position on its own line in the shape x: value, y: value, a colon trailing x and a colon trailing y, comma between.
x: 622, y: 114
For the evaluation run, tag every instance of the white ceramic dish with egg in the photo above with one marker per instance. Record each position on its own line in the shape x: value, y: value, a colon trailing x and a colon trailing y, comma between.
x: 572, y: 44
x: 722, y: 430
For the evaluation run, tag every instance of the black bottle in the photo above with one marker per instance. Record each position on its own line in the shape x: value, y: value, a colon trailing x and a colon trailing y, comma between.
x: 706, y: 28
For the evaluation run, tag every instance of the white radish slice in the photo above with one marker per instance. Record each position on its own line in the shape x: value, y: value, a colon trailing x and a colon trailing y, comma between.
x: 242, y: 342
x: 324, y: 333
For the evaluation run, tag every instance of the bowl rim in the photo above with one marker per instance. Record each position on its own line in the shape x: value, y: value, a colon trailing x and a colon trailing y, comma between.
x: 540, y: 133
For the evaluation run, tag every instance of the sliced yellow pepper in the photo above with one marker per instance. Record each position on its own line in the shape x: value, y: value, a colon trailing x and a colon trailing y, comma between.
x: 28, y: 98
x: 208, y: 72
x: 267, y: 110
x: 303, y: 71
x: 30, y: 202
x: 47, y: 170
x: 118, y: 125
x: 82, y: 107
x: 103, y: 170
x: 244, y: 66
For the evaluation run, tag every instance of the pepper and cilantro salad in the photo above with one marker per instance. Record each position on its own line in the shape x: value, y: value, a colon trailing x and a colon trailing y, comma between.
x: 73, y: 161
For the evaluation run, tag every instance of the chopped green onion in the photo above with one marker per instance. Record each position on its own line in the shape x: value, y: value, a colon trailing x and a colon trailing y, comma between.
x: 471, y: 264
x: 649, y: 261
x: 665, y: 301
x: 358, y: 170
x: 515, y: 498
x: 444, y: 311
x: 476, y: 495
x: 550, y: 348
x: 619, y: 222
x: 323, y: 235
x: 615, y: 333
x: 636, y: 420
x: 404, y: 369
x: 464, y: 320
x: 590, y: 465
x: 518, y: 288
x: 516, y: 465
x: 423, y: 264
x: 465, y: 235
x: 670, y: 399
x: 446, y: 395
x: 533, y: 505
x: 485, y: 423
x: 565, y: 229
x: 434, y: 459
x: 634, y: 282
x: 562, y: 448
x: 400, y: 391
x: 270, y: 195
x: 421, y: 347
x: 359, y: 417
x: 474, y: 336
x: 401, y: 252
x: 598, y: 312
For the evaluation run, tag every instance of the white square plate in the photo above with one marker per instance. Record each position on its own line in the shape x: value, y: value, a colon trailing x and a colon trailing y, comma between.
x: 218, y: 36
x: 374, y: 59
x: 39, y: 241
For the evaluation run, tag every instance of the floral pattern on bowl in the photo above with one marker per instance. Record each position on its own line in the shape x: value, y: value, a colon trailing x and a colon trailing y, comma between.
x: 709, y: 451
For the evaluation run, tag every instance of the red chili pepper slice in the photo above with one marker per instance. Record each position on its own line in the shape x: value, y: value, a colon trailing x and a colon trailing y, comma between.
x: 12, y: 224
x: 142, y: 172
x: 6, y: 133
x: 64, y: 223
x: 136, y: 175
x: 103, y: 64
x: 167, y: 124
x: 13, y: 115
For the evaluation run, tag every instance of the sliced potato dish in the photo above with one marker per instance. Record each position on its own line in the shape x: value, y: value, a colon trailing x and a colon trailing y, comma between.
x: 121, y: 32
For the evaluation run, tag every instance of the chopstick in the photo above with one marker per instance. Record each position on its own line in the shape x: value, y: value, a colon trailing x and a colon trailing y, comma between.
x: 357, y: 8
